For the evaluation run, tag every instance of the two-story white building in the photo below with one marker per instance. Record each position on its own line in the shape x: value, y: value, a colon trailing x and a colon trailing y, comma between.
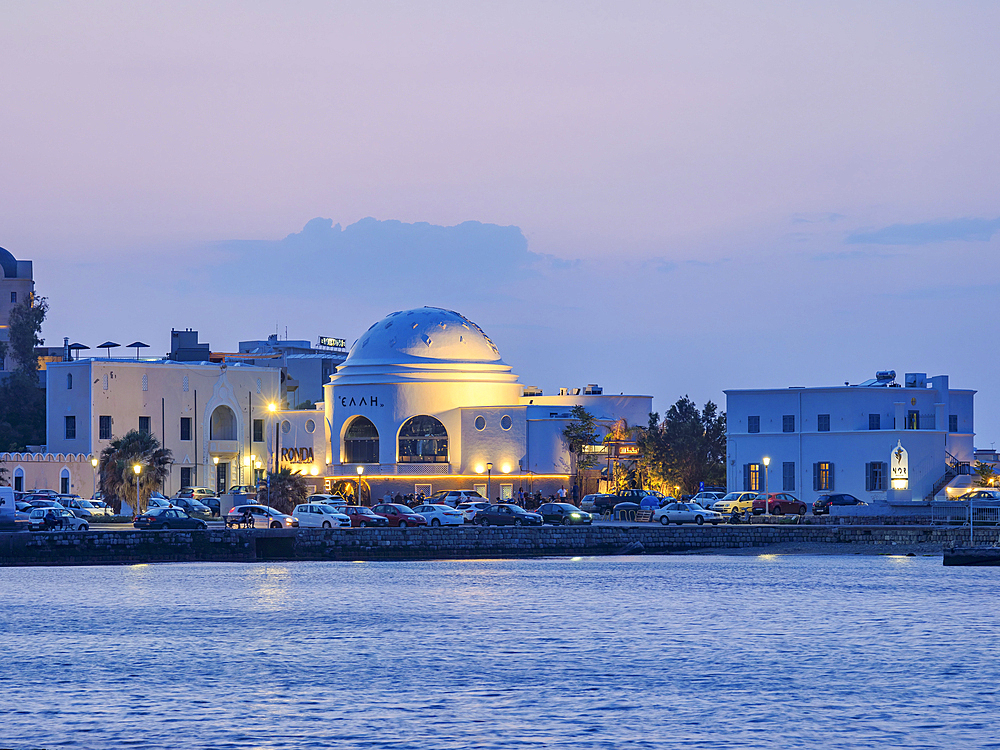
x: 214, y: 419
x: 841, y: 438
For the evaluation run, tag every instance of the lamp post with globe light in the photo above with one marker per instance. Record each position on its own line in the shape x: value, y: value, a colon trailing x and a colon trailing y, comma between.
x: 137, y: 468
x: 361, y: 470
x: 489, y: 472
x: 94, y: 462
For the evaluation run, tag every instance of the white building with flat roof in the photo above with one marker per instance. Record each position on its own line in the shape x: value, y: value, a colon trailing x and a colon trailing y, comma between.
x: 841, y: 438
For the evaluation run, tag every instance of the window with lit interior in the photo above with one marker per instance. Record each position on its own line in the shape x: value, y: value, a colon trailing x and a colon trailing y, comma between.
x: 423, y: 440
x: 361, y: 442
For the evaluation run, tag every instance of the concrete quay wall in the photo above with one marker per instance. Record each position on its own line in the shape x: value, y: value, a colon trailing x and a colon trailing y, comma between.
x: 129, y: 546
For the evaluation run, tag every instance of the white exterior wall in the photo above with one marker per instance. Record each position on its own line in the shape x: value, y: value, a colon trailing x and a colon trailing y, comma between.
x: 849, y: 444
x: 164, y: 401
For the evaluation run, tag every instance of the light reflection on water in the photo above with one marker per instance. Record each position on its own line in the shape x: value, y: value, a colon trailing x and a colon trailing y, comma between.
x: 647, y: 652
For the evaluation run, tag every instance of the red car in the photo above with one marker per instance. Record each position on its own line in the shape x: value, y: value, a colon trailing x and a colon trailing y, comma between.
x: 778, y: 503
x: 399, y: 515
x: 363, y: 517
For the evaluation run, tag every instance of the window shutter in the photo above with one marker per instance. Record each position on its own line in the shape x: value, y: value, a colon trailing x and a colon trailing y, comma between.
x: 816, y: 477
x: 831, y: 478
x: 868, y: 477
x: 746, y: 477
x: 885, y: 473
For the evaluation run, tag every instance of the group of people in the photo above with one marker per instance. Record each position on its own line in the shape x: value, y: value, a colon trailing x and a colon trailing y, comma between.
x: 527, y: 500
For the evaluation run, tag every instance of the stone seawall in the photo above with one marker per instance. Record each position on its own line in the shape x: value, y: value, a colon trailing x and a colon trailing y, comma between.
x: 225, y: 545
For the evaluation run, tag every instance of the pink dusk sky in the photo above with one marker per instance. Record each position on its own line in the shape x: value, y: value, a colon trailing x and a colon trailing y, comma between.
x: 663, y: 198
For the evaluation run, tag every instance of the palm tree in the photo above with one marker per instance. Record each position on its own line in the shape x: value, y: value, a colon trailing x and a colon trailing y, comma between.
x: 287, y: 491
x: 118, y: 478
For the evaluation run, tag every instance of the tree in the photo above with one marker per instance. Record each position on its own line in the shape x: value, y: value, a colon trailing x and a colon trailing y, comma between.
x: 581, y: 432
x: 688, y: 447
x: 286, y: 491
x: 118, y: 478
x: 22, y: 402
x: 623, y: 473
x: 986, y: 474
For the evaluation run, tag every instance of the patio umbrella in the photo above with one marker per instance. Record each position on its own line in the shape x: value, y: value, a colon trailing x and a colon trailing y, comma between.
x: 76, y: 348
x: 137, y: 345
x: 109, y: 345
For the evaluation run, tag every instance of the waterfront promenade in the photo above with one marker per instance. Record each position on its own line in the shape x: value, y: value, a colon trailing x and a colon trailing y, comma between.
x: 129, y: 546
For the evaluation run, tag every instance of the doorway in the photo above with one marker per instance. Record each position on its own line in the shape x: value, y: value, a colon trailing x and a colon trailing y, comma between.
x: 221, y: 478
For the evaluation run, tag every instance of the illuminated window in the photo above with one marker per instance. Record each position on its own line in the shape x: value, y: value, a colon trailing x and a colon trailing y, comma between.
x: 423, y: 439
x: 823, y: 476
x: 751, y: 477
x: 361, y: 442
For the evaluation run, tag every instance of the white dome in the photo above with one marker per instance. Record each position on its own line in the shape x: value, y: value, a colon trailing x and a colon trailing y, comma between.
x: 416, y: 343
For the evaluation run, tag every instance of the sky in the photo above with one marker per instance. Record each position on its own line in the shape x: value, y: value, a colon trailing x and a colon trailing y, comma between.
x: 663, y: 198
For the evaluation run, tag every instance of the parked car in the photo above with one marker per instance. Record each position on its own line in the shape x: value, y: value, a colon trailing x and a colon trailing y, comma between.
x: 22, y: 507
x: 335, y: 501
x: 363, y: 517
x: 399, y: 515
x: 440, y: 514
x: 507, y: 514
x: 469, y: 509
x: 823, y: 502
x: 263, y: 516
x: 51, y: 519
x: 50, y: 493
x: 686, y: 513
x: 81, y: 508
x: 738, y: 501
x: 320, y: 516
x: 563, y: 514
x: 454, y: 498
x: 778, y: 503
x: 707, y: 499
x: 981, y: 496
x: 42, y: 501
x: 167, y: 518
x: 242, y: 489
x: 598, y: 503
x: 191, y: 506
x: 202, y: 495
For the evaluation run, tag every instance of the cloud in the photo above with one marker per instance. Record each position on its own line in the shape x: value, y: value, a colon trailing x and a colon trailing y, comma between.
x: 965, y: 230
x: 820, y: 218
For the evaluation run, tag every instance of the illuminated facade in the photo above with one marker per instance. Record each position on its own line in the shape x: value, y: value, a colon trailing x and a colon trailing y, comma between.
x: 424, y: 402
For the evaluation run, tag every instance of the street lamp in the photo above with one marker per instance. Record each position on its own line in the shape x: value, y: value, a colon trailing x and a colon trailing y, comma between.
x: 94, y: 462
x: 137, y: 468
x: 361, y: 470
x: 273, y: 408
x: 767, y: 462
x: 489, y: 471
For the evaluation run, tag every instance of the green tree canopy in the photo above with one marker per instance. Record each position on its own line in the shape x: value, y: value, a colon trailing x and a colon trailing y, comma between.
x: 118, y: 478
x: 580, y: 432
x: 22, y: 401
x: 686, y: 448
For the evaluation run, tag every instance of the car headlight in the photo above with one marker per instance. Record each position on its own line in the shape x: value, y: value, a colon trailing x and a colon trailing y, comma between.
x: 574, y: 515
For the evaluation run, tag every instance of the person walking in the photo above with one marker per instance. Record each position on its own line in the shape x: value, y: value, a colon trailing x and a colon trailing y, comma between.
x: 561, y: 493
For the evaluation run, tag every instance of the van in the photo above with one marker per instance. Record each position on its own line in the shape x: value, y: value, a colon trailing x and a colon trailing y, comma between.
x: 7, y: 508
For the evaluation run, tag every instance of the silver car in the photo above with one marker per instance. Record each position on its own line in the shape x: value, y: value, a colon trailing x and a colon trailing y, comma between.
x: 263, y: 517
x: 55, y: 519
x: 686, y: 513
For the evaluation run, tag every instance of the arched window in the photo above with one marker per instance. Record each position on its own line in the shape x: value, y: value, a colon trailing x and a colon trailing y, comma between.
x: 223, y: 424
x: 69, y: 381
x: 18, y: 479
x: 64, y: 481
x: 361, y: 442
x: 423, y: 440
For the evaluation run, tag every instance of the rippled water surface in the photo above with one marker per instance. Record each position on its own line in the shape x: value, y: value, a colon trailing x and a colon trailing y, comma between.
x: 647, y: 652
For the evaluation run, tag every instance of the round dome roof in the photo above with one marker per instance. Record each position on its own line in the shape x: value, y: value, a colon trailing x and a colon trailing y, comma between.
x: 424, y: 343
x: 8, y: 264
x: 427, y: 333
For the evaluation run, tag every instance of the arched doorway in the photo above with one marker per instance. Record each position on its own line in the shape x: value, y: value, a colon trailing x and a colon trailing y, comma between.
x: 423, y: 440
x: 223, y: 424
x: 361, y: 442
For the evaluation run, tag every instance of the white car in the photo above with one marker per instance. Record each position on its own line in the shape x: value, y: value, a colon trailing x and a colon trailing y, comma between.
x: 469, y: 510
x: 453, y: 498
x: 686, y: 513
x: 440, y: 515
x: 335, y: 501
x: 55, y: 519
x: 263, y: 517
x: 707, y: 499
x: 320, y: 516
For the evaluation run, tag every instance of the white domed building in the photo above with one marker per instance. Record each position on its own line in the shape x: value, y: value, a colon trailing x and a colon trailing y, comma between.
x: 424, y: 402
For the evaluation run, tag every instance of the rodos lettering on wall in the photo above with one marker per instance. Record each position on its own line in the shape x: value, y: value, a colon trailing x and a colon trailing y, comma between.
x: 297, y: 455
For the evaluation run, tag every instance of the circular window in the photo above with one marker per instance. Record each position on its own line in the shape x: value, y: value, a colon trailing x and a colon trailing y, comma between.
x: 286, y: 427
x: 480, y: 423
x: 310, y: 426
x: 505, y: 422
